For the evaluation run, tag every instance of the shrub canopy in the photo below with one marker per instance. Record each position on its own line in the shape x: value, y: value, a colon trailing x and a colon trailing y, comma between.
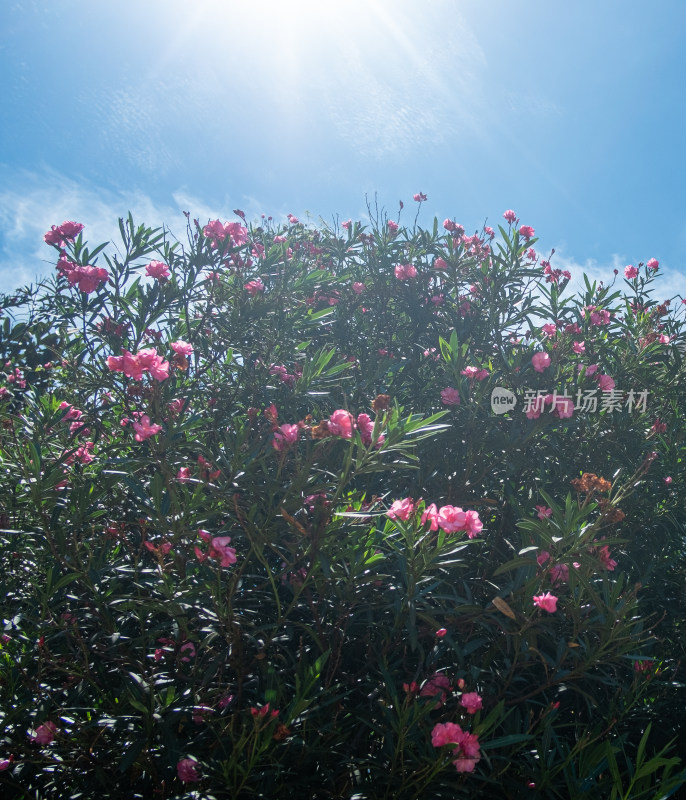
x: 353, y: 512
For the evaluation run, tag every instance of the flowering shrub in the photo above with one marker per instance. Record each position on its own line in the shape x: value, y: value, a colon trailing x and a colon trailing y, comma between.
x: 265, y: 535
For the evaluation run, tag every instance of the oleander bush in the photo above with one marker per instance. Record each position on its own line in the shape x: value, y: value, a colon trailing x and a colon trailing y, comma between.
x: 265, y: 535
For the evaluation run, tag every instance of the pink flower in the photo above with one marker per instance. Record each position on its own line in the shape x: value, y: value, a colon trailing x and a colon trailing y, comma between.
x: 134, y: 366
x: 430, y: 515
x: 87, y: 278
x: 405, y: 272
x: 152, y: 362
x: 630, y: 271
x: 358, y: 287
x: 145, y: 429
x: 5, y: 763
x: 218, y: 549
x: 158, y: 270
x: 510, y: 216
x: 472, y: 524
x: 474, y: 373
x: 579, y: 347
x: 186, y: 769
x: 601, y: 317
x: 441, y: 632
x: 159, y: 550
x: 401, y: 509
x: 450, y: 396
x: 452, y: 519
x: 45, y: 733
x: 544, y: 512
x: 341, y: 424
x: 564, y: 406
x: 547, y: 601
x: 444, y: 733
x: 467, y: 747
x: 436, y: 686
x: 526, y: 231
x: 183, y: 475
x: 653, y: 263
x: 182, y: 348
x: 605, y: 383
x: 440, y: 263
x: 58, y: 235
x: 365, y: 426
x: 550, y: 330
x: 284, y: 436
x: 471, y: 701
x: 559, y: 573
x: 540, y: 361
x: 392, y: 226
x: 668, y: 479
x: 468, y: 752
x: 262, y: 711
x: 189, y: 648
x: 604, y: 556
x: 418, y: 198
x: 254, y: 287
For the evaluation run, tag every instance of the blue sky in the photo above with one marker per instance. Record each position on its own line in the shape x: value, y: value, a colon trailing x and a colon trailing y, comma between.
x: 572, y: 114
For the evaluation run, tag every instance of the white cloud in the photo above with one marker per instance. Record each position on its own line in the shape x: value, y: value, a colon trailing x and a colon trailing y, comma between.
x: 668, y: 283
x: 31, y: 202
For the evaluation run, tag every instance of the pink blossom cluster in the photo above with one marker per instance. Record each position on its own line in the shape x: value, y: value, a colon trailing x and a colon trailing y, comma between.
x: 59, y: 235
x: 450, y: 396
x: 547, y: 601
x: 16, y: 376
x: 449, y: 519
x: 540, y: 361
x: 232, y: 232
x: 182, y: 348
x: 603, y: 554
x: 475, y: 374
x: 187, y: 770
x: 558, y: 573
x: 436, y: 687
x: 467, y: 747
x: 144, y: 428
x: 133, y: 366
x: 343, y: 424
x: 554, y: 275
x: 218, y: 549
x: 45, y: 733
x: 284, y: 436
x: 598, y: 316
x: 158, y: 270
x: 82, y: 454
x: 563, y: 407
x: 253, y: 288
x: 405, y: 272
x: 452, y: 519
x: 289, y: 378
x: 87, y: 279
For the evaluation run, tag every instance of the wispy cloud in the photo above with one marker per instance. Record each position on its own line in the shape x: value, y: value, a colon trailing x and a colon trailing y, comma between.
x: 668, y: 283
x: 30, y: 202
